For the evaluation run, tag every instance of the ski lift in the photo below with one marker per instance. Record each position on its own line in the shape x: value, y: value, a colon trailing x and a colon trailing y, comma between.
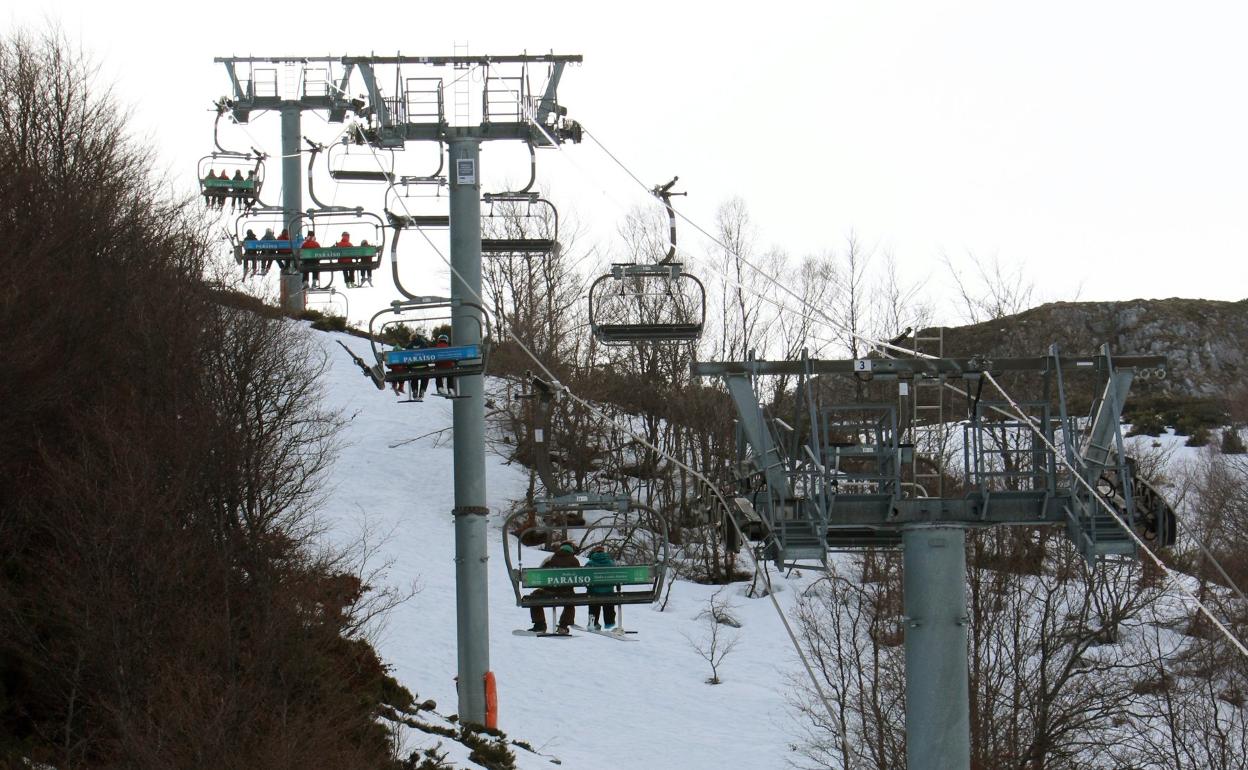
x: 328, y: 294
x: 360, y: 234
x: 527, y: 212
x: 407, y: 199
x: 256, y: 240
x: 360, y: 250
x: 368, y: 165
x: 407, y: 205
x: 405, y: 365
x: 646, y: 303
x: 634, y: 534
x: 657, y: 302
x: 229, y: 175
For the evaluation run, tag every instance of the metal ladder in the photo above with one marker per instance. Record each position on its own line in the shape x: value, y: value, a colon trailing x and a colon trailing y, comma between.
x: 928, y: 416
x: 462, y: 102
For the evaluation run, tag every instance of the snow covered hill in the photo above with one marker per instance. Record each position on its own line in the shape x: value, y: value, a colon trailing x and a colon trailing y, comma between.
x: 590, y: 702
x: 587, y: 702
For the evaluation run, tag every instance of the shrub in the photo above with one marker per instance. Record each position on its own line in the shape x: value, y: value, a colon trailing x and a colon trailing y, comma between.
x: 1232, y: 443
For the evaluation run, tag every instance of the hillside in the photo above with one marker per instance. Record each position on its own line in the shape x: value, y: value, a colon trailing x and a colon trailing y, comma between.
x: 1205, y: 342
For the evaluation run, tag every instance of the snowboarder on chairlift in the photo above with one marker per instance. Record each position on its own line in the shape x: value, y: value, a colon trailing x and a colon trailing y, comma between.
x: 563, y: 557
x: 599, y: 557
x: 445, y: 342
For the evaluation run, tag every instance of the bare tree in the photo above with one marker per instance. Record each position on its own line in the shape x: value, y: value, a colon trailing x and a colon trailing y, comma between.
x: 717, y: 641
x: 1002, y: 291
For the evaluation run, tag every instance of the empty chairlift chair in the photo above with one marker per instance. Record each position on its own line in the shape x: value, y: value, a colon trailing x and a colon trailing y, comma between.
x: 519, y: 224
x: 655, y: 302
x: 637, y: 303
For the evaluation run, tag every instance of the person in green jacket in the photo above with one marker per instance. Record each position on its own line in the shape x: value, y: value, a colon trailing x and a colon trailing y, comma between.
x: 600, y: 558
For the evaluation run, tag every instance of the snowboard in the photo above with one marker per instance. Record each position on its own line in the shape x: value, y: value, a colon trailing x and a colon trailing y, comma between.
x: 618, y: 634
x: 545, y: 634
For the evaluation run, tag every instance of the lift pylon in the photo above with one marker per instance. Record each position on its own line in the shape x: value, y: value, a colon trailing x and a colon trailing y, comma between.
x: 831, y: 479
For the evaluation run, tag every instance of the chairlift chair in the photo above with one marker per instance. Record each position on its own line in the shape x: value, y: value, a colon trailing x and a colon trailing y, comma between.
x: 223, y: 185
x: 634, y: 534
x: 656, y: 302
x: 401, y: 365
x: 367, y: 165
x: 264, y: 251
x: 363, y: 226
x: 511, y: 204
x: 407, y: 203
x: 637, y: 303
x: 220, y: 187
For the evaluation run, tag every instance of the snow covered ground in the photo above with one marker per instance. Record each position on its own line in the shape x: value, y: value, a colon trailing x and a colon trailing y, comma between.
x: 590, y: 702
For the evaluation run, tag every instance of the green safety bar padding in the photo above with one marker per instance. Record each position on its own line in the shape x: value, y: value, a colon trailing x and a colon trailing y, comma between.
x: 552, y: 577
x: 239, y: 184
x: 333, y: 252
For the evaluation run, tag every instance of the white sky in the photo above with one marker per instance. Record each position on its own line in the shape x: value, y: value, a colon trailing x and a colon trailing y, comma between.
x: 1100, y: 144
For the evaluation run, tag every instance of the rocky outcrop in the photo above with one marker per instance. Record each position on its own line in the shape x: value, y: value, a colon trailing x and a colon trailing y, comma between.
x: 1205, y: 342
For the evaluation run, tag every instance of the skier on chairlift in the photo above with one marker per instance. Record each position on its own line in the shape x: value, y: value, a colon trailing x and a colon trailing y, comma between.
x: 349, y: 274
x: 445, y: 342
x: 262, y: 265
x: 366, y: 273
x: 236, y: 191
x: 418, y: 341
x: 250, y: 260
x: 311, y: 243
x: 284, y: 236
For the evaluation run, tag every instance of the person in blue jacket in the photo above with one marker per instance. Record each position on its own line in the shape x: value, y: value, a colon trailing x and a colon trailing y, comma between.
x: 598, y: 557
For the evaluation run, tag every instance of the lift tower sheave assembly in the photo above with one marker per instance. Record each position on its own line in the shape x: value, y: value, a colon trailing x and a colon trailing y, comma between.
x: 840, y: 476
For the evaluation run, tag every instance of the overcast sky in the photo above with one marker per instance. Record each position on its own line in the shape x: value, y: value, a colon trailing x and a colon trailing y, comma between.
x: 1101, y: 145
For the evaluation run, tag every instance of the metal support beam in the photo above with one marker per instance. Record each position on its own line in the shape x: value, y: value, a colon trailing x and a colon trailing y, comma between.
x: 754, y: 423
x: 547, y: 104
x: 471, y: 575
x: 885, y: 368
x: 291, y: 279
x: 375, y: 99
x: 938, y: 725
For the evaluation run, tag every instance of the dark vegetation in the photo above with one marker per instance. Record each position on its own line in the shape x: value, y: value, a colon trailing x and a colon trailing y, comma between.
x: 162, y: 602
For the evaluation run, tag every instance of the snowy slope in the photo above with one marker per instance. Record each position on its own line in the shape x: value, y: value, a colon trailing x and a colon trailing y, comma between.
x: 591, y: 701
